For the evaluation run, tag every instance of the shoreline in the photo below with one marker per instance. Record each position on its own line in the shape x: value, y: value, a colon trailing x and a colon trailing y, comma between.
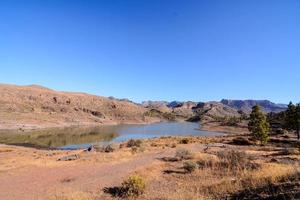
x: 90, y: 172
x: 80, y: 128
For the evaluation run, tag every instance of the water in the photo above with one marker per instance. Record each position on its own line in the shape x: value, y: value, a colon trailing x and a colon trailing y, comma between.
x: 83, y: 137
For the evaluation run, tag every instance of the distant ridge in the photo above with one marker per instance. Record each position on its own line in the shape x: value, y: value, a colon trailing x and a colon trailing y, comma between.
x: 246, y: 105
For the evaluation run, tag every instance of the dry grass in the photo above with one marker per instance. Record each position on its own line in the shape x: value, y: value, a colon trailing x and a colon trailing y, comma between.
x: 222, y: 171
x: 72, y: 196
x: 219, y: 175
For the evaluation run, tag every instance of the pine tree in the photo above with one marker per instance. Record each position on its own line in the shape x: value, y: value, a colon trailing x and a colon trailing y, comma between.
x: 297, y: 121
x: 258, y: 125
x: 292, y: 118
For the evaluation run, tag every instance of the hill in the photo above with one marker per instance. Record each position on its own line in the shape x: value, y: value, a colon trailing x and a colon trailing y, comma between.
x: 246, y: 105
x: 36, y: 106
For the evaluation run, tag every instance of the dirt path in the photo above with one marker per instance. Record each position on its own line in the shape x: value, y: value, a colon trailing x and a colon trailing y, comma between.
x: 37, y: 182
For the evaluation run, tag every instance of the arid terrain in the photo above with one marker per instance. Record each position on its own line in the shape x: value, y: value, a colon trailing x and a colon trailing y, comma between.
x: 39, y: 107
x: 232, y: 166
x: 29, y: 107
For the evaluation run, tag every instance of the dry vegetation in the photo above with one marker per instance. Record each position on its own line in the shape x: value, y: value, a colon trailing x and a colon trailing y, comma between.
x: 223, y: 172
x: 167, y: 168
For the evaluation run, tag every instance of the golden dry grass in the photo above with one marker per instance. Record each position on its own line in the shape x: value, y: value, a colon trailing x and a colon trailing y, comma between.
x: 167, y: 180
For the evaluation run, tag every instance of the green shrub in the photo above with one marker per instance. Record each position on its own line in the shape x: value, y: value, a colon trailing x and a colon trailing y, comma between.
x: 190, y: 166
x: 133, y: 186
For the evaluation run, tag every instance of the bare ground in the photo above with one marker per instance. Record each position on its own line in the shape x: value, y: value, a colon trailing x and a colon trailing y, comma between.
x: 27, y: 173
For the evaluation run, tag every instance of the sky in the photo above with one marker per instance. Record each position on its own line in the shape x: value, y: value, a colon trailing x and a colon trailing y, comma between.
x: 182, y: 50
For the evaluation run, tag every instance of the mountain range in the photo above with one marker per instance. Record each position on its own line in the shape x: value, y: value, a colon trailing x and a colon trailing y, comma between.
x: 35, y: 106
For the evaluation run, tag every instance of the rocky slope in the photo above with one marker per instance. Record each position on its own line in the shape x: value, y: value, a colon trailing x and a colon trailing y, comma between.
x: 246, y: 105
x: 36, y: 106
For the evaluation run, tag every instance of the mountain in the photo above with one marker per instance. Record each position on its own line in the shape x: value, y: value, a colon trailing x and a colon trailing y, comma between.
x: 36, y: 106
x: 213, y: 109
x: 246, y: 105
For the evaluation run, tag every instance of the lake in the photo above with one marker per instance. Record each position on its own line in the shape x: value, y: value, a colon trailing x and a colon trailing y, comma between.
x: 83, y: 137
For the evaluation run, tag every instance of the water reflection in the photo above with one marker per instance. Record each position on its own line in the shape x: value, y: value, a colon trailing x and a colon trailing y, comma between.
x: 82, y: 137
x: 58, y: 137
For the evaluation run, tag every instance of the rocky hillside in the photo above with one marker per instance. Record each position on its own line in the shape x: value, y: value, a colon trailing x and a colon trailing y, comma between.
x: 193, y: 110
x: 246, y: 105
x: 36, y: 106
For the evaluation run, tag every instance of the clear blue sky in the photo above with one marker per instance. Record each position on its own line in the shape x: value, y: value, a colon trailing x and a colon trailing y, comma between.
x: 154, y: 49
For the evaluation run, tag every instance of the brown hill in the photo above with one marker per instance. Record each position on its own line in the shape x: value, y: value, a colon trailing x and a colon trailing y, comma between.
x: 37, y: 106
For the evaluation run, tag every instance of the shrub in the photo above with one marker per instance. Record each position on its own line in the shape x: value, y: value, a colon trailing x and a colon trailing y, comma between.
x: 232, y: 158
x: 228, y: 161
x: 184, y: 141
x: 241, y: 141
x: 134, y: 143
x: 133, y: 186
x: 134, y: 150
x: 184, y: 154
x: 235, y: 160
x: 108, y: 149
x: 206, y: 163
x: 190, y: 166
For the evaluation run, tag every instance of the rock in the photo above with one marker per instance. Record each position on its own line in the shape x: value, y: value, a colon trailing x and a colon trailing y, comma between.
x: 69, y: 158
x: 90, y: 148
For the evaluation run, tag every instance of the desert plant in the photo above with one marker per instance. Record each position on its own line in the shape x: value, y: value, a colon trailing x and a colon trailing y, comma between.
x: 173, y: 145
x: 108, y: 149
x: 190, y: 166
x: 184, y: 141
x: 134, y: 143
x: 134, y: 150
x: 133, y: 186
x: 184, y: 154
x: 234, y: 160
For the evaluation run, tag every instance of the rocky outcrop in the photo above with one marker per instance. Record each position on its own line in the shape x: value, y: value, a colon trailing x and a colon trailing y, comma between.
x: 215, y: 109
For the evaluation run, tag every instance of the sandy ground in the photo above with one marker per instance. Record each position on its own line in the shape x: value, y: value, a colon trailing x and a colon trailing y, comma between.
x: 27, y: 173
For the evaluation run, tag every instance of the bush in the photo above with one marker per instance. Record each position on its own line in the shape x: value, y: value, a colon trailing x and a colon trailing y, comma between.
x: 184, y: 154
x: 206, y: 163
x: 134, y: 143
x: 134, y: 150
x: 108, y: 149
x: 235, y: 160
x: 133, y: 186
x: 241, y: 141
x: 190, y: 166
x: 184, y: 141
x: 229, y: 161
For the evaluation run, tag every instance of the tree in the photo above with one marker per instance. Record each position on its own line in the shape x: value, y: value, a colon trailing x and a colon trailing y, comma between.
x: 258, y: 125
x: 298, y: 121
x: 292, y: 118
